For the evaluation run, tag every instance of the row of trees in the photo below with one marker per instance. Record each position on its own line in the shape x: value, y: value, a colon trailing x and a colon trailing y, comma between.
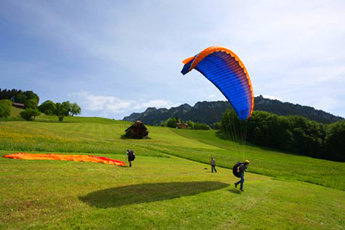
x: 290, y: 133
x: 18, y: 96
x: 172, y: 123
x: 198, y: 125
x: 32, y: 110
x: 61, y: 110
x: 48, y: 107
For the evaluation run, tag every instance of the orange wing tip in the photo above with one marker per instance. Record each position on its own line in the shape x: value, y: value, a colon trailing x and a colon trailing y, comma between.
x: 185, y: 61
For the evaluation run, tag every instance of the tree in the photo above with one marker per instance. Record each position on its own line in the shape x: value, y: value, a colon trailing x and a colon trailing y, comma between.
x: 20, y: 97
x: 190, y: 124
x: 308, y: 136
x: 29, y: 114
x: 48, y: 107
x: 31, y: 104
x: 5, y: 108
x: 287, y: 133
x: 201, y: 126
x: 335, y: 141
x: 62, y: 110
x: 230, y: 123
x: 218, y: 125
x: 7, y: 94
x: 259, y: 137
x: 75, y: 109
x: 31, y: 95
x: 172, y: 122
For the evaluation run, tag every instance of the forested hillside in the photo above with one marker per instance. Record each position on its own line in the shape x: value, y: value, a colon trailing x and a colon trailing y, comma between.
x: 211, y: 112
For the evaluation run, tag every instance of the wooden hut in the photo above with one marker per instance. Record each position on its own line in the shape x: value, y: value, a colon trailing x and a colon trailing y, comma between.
x: 137, y: 131
x: 181, y: 125
x: 18, y: 105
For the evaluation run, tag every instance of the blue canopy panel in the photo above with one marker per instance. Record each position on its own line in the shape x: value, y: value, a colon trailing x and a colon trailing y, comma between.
x: 229, y: 77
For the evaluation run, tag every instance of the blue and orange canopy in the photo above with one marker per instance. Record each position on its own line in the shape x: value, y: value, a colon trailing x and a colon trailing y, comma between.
x: 226, y: 71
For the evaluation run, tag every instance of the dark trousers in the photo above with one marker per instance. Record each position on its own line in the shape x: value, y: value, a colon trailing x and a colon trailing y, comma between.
x: 214, y: 168
x: 241, y: 181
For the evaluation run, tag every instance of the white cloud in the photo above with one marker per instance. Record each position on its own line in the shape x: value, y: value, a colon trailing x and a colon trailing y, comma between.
x: 111, y: 106
x: 158, y: 103
x: 272, y: 97
x: 106, y: 104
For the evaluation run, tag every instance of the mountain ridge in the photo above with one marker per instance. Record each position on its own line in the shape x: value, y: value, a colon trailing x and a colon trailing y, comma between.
x: 211, y: 112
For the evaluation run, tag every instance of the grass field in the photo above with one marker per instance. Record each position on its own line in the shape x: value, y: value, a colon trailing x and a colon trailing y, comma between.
x: 169, y: 186
x: 195, y: 145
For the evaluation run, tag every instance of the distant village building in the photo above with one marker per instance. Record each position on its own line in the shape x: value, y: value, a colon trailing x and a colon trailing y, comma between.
x: 181, y: 125
x: 18, y: 105
x: 137, y: 131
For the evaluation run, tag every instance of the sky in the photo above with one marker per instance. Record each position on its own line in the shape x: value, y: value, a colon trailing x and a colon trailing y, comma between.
x: 117, y: 57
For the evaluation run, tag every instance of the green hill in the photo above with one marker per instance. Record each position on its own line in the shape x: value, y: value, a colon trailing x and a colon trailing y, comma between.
x: 168, y: 186
x: 15, y: 115
x: 15, y: 112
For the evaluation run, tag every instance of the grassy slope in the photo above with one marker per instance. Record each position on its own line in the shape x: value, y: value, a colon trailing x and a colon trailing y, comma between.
x: 160, y: 193
x: 15, y: 112
x: 84, y: 137
x: 267, y: 162
x: 15, y: 116
x: 195, y: 145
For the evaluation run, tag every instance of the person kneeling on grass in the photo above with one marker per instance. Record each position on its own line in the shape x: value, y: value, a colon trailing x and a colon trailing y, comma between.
x: 238, y: 171
x: 213, y: 164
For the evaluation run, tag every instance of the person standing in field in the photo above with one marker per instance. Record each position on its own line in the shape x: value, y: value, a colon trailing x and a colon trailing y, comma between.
x: 213, y: 164
x: 240, y: 169
x: 130, y: 156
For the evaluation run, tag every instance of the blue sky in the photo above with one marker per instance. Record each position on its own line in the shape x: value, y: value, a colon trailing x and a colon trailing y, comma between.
x: 118, y: 57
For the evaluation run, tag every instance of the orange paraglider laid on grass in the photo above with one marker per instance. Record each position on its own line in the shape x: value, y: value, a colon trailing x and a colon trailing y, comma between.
x: 59, y: 157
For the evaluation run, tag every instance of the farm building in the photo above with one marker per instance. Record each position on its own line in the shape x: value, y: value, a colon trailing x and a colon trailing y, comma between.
x: 18, y: 105
x: 181, y: 125
x: 137, y: 131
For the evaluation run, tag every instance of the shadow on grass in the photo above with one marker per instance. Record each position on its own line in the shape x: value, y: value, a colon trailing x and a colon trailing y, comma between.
x: 236, y: 191
x: 145, y: 193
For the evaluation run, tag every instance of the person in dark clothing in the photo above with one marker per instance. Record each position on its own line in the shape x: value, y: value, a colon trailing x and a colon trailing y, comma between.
x: 241, y: 169
x: 130, y: 157
x: 213, y: 164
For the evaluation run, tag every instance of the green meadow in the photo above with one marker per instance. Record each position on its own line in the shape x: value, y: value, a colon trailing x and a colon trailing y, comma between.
x: 170, y: 185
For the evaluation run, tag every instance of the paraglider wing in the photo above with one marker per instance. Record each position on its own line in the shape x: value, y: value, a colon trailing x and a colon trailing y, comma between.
x: 226, y: 71
x: 49, y: 156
